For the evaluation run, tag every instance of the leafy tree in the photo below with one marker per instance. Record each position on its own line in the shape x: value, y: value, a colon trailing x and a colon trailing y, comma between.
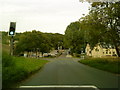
x: 93, y: 29
x: 36, y: 40
x: 108, y: 14
x: 102, y: 25
x: 74, y: 37
x: 32, y: 41
x: 55, y: 39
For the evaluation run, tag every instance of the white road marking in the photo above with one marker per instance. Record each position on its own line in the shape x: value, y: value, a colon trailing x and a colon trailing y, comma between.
x: 61, y: 86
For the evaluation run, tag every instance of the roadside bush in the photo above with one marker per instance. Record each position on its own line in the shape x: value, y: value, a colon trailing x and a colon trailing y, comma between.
x: 109, y: 64
x: 16, y: 69
x: 10, y: 72
x: 7, y: 60
x: 11, y: 75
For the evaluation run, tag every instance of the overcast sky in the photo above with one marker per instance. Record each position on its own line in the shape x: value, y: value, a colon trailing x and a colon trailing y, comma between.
x: 41, y: 15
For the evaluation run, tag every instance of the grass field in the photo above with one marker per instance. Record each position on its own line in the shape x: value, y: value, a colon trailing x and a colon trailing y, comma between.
x: 107, y: 64
x: 16, y: 69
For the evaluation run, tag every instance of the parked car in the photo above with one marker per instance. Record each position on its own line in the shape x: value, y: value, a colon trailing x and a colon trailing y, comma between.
x: 45, y: 54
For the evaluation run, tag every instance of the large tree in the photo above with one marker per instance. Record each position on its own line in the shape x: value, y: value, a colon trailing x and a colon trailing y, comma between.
x: 36, y: 40
x: 74, y: 37
x: 92, y: 28
x: 55, y: 39
x: 102, y: 25
x: 33, y: 41
x: 108, y: 14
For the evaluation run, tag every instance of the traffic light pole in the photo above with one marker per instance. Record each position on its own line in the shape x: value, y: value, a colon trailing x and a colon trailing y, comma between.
x: 11, y: 46
x: 11, y: 33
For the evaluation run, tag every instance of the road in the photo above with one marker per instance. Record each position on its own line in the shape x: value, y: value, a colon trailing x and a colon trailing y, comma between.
x: 67, y: 71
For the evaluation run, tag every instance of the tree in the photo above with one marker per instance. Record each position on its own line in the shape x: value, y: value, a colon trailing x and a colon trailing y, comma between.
x: 74, y: 37
x: 36, y: 40
x: 93, y: 29
x: 103, y: 24
x: 108, y: 14
x: 55, y: 39
x: 32, y: 41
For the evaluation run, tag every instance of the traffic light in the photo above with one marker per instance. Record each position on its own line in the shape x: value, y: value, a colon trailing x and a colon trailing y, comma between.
x: 12, y: 28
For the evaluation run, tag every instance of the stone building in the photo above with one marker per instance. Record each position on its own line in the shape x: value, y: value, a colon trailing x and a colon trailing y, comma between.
x: 101, y: 51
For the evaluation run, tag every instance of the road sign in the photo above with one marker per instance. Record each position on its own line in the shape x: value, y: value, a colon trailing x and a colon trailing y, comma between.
x: 12, y: 29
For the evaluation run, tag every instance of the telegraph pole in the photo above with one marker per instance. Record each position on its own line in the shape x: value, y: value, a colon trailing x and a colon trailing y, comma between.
x: 12, y: 34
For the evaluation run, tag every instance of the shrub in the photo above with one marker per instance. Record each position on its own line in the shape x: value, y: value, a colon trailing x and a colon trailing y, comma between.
x: 7, y: 60
x: 15, y: 69
x: 111, y: 65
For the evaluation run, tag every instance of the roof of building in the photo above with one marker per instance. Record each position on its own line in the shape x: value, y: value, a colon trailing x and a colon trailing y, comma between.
x: 103, y: 45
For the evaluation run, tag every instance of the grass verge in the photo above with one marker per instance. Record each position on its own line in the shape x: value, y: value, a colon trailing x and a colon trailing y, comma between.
x: 16, y: 69
x: 106, y: 64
